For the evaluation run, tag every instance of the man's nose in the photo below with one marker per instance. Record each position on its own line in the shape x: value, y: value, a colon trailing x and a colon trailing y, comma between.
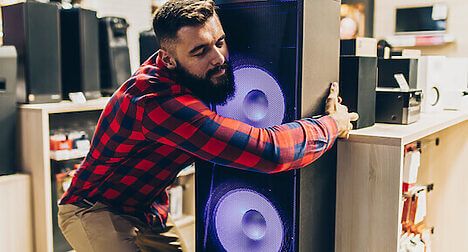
x: 218, y: 57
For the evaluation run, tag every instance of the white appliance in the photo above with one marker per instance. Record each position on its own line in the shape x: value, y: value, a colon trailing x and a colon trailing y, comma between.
x: 431, y: 79
x: 456, y: 79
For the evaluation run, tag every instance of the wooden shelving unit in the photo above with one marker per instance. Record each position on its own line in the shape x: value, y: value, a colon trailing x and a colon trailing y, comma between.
x: 15, y: 213
x: 35, y: 159
x: 420, y: 40
x: 67, y: 106
x: 36, y: 121
x: 369, y: 183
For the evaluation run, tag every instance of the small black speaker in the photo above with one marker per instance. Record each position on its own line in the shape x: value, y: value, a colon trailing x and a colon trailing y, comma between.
x: 358, y: 80
x: 8, y: 70
x: 148, y: 45
x: 389, y: 67
x: 398, y: 106
x: 80, y: 52
x: 33, y: 27
x: 114, y: 53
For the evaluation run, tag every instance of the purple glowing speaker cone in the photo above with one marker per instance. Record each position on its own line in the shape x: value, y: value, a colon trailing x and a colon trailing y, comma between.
x: 254, y: 225
x: 245, y: 221
x: 255, y: 105
x: 258, y: 99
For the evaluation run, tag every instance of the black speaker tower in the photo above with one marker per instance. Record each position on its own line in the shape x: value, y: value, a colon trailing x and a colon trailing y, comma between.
x: 34, y: 28
x: 148, y: 45
x: 114, y: 53
x: 358, y: 81
x: 291, y: 50
x: 80, y: 52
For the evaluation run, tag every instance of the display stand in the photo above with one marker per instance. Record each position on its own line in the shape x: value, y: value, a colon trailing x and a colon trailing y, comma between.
x: 36, y: 122
x: 369, y: 183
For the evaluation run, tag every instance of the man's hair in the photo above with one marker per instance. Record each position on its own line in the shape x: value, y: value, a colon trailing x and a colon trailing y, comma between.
x: 175, y: 14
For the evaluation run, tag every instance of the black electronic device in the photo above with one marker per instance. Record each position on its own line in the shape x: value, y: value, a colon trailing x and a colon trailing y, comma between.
x: 421, y: 19
x: 148, y: 45
x: 394, y: 105
x: 34, y: 28
x: 8, y: 71
x: 358, y: 81
x: 388, y: 68
x: 284, y: 54
x: 80, y: 52
x: 114, y: 53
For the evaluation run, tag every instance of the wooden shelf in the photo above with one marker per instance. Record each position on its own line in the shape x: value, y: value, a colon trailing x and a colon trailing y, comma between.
x: 35, y: 159
x: 74, y: 154
x: 16, y: 213
x: 393, y: 134
x: 369, y: 183
x: 420, y: 40
x: 67, y: 106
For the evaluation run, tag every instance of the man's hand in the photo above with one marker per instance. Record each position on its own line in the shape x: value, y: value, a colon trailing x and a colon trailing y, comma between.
x: 339, y: 112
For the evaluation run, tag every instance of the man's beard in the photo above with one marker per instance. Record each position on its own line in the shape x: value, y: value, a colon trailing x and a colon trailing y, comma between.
x: 209, y: 92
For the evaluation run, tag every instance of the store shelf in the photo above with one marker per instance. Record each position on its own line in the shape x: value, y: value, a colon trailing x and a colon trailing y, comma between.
x: 68, y: 155
x: 16, y: 213
x: 369, y: 183
x: 394, y: 134
x: 420, y: 40
x: 67, y: 106
x: 35, y: 123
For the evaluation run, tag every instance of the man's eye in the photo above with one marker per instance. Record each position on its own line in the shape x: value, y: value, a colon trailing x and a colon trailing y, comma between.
x: 201, y: 53
x: 220, y: 43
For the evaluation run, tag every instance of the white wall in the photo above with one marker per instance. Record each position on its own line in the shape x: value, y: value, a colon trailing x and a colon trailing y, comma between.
x: 384, y: 24
x: 136, y: 12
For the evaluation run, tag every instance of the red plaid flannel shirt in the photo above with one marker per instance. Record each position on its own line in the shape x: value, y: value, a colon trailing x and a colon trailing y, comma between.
x: 153, y: 127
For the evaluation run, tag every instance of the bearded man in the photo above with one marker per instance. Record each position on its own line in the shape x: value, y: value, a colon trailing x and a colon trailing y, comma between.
x: 159, y: 121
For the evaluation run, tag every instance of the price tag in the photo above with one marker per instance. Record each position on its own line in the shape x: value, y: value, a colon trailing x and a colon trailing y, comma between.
x: 77, y: 97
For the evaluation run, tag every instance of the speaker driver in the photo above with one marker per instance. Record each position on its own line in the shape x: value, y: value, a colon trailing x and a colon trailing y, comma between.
x: 246, y: 220
x: 258, y: 99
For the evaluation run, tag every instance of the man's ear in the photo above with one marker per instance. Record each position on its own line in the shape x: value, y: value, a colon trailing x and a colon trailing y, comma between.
x: 167, y: 58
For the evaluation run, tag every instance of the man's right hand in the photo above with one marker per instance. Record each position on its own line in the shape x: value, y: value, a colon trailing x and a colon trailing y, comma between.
x: 339, y: 112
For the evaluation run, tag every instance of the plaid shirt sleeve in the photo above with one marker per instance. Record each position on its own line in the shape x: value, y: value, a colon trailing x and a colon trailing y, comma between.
x: 184, y: 122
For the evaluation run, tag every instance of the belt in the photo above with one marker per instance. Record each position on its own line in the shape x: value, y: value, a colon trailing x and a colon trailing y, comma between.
x: 84, y: 203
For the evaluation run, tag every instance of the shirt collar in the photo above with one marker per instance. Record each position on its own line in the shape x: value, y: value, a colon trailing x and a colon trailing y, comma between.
x: 167, y: 75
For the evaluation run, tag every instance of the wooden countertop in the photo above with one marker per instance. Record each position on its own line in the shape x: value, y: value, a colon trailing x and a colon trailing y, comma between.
x: 67, y: 106
x: 394, y: 134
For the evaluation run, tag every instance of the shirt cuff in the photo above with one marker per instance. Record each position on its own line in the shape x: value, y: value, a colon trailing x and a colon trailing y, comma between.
x: 331, y: 126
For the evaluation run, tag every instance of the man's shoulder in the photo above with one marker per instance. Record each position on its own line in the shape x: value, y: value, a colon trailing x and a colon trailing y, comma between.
x: 147, y: 89
x: 148, y: 79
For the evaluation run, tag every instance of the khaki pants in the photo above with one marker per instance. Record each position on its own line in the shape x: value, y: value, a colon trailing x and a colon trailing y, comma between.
x: 97, y: 229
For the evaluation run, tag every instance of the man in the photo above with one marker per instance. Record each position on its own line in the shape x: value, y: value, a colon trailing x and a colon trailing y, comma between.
x: 158, y: 122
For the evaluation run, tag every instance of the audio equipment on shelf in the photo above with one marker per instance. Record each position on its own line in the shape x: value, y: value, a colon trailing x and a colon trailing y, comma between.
x: 80, y: 52
x: 114, y: 53
x: 34, y: 28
